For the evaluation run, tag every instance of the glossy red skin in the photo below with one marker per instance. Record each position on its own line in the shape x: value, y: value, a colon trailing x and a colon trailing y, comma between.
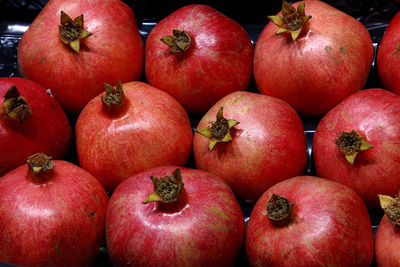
x: 375, y: 114
x: 387, y: 252
x: 388, y: 58
x: 218, y: 62
x: 205, y: 229
x: 268, y: 144
x: 113, y: 52
x: 152, y: 130
x: 329, y: 61
x: 58, y: 222
x: 47, y: 130
x: 331, y: 227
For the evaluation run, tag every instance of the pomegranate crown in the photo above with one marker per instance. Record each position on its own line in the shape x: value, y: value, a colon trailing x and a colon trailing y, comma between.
x: 292, y: 20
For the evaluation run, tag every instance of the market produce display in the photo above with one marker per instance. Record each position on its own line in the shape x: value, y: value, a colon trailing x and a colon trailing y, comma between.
x: 142, y: 133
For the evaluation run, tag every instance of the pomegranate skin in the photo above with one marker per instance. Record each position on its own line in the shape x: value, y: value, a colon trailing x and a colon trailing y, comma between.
x: 388, y: 58
x: 205, y: 229
x: 329, y: 61
x: 59, y: 222
x: 47, y: 130
x: 330, y: 227
x: 268, y: 145
x: 387, y: 252
x: 152, y: 130
x: 113, y: 52
x: 375, y: 115
x: 218, y: 62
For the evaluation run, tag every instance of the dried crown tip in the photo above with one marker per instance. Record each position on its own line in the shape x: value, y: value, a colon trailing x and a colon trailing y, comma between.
x: 40, y: 163
x: 166, y: 189
x: 15, y: 106
x: 391, y: 207
x: 292, y: 20
x: 350, y: 143
x: 179, y: 42
x: 113, y: 97
x: 279, y: 208
x: 71, y: 31
x: 219, y: 131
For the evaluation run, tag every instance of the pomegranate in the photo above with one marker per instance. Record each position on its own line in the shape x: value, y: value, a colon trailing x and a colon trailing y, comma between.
x: 31, y: 121
x: 316, y: 57
x: 388, y: 58
x: 202, y: 56
x: 130, y: 129
x: 191, y: 219
x: 73, y: 47
x: 358, y: 144
x: 387, y: 236
x: 309, y: 221
x: 255, y: 142
x: 52, y: 214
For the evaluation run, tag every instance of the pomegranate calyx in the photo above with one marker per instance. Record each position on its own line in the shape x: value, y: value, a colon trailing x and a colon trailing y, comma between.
x: 71, y: 31
x: 350, y: 143
x: 391, y: 207
x: 113, y: 97
x: 179, y: 42
x: 292, y: 20
x: 279, y: 209
x: 40, y: 163
x: 15, y: 106
x: 166, y: 189
x: 219, y: 131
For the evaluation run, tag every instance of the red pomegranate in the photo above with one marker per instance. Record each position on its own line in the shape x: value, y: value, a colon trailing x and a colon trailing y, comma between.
x: 203, y: 56
x: 388, y: 59
x: 264, y: 145
x: 191, y: 219
x: 309, y: 221
x: 387, y: 252
x: 358, y: 144
x: 31, y: 121
x: 73, y: 47
x: 324, y: 58
x: 130, y: 129
x: 52, y: 214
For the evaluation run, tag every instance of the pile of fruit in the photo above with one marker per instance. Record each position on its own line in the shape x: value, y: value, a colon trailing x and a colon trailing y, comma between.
x: 152, y: 189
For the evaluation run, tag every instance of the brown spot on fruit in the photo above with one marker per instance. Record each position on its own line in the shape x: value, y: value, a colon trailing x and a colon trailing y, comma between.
x: 90, y: 213
x: 331, y: 54
x: 397, y: 49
